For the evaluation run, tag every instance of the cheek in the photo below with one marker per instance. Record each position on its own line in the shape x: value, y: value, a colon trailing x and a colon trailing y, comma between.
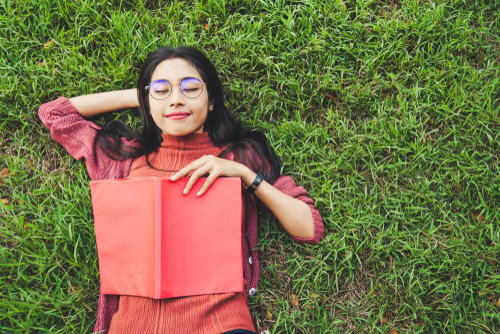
x: 199, y: 106
x: 153, y: 105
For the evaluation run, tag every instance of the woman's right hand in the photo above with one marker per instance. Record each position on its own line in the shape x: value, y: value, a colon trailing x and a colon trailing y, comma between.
x: 99, y: 103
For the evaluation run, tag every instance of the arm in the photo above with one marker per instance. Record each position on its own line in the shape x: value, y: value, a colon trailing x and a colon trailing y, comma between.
x: 95, y: 104
x: 77, y: 134
x: 293, y: 214
x: 287, y: 185
x: 291, y: 206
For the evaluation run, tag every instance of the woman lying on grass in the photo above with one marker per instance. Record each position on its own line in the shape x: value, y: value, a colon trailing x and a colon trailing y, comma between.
x: 186, y: 130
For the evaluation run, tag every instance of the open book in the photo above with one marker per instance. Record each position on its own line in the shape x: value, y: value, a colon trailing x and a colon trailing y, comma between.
x: 154, y: 241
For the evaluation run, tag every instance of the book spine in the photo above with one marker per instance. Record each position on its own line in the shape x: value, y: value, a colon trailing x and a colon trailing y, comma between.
x: 157, y: 238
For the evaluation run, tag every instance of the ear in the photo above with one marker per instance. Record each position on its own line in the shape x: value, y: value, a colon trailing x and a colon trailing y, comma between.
x: 211, y: 105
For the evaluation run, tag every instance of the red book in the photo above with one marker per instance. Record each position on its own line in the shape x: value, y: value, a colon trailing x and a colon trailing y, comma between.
x: 154, y: 241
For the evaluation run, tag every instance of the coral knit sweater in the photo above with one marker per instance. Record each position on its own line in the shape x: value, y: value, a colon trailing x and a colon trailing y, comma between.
x: 77, y: 135
x: 203, y: 314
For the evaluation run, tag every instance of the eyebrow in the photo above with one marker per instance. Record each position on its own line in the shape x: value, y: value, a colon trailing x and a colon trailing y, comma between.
x: 179, y: 80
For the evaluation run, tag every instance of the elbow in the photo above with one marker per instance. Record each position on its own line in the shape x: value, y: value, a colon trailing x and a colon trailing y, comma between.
x: 316, y: 237
x: 310, y: 234
x: 314, y: 234
x: 309, y: 226
x: 317, y: 229
x: 50, y: 112
x: 304, y: 237
x: 44, y: 114
x: 41, y: 113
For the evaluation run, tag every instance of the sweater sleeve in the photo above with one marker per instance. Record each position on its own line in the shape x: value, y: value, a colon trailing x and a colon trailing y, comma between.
x: 77, y: 135
x: 287, y: 185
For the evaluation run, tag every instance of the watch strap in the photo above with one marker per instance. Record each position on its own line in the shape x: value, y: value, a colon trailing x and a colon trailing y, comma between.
x: 256, y: 183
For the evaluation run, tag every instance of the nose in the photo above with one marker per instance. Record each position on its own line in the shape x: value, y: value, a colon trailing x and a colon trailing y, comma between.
x: 176, y: 97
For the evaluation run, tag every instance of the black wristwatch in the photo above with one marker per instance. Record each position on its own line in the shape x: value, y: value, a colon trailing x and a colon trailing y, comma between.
x: 251, y: 188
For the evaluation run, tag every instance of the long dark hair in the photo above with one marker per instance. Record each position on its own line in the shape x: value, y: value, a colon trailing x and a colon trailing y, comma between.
x: 250, y: 148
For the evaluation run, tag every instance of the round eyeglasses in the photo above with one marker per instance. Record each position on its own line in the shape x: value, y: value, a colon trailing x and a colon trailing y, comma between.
x: 162, y: 89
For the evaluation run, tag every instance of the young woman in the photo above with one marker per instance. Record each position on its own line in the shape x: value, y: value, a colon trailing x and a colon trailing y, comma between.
x: 187, y: 132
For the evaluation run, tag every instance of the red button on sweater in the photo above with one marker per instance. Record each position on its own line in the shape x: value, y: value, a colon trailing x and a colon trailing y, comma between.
x: 76, y: 134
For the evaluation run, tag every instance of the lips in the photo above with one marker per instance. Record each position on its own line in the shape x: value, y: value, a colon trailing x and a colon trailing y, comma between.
x: 178, y: 115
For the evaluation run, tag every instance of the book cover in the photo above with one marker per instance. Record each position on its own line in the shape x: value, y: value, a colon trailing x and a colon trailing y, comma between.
x: 154, y: 241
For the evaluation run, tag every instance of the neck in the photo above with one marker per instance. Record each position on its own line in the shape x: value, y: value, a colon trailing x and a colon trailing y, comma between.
x: 174, y: 154
x: 192, y: 141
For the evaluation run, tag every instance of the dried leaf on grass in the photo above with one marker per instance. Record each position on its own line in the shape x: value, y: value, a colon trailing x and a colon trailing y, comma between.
x: 498, y: 302
x: 478, y: 216
x: 394, y: 331
x: 205, y: 26
x: 48, y: 44
x: 295, y: 301
x: 269, y: 315
x: 5, y: 201
x: 5, y: 173
x: 385, y: 317
x: 364, y: 173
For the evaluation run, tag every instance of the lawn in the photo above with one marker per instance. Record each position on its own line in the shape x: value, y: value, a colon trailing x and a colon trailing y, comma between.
x: 387, y: 112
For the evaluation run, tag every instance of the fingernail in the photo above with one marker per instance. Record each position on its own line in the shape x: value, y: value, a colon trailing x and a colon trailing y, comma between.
x: 199, y: 193
x: 185, y: 191
x: 173, y: 178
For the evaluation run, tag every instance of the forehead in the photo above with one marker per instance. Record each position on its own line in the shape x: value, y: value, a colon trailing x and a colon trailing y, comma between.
x: 174, y: 70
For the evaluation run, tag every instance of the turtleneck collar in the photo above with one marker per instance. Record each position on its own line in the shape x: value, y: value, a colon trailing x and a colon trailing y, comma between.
x: 192, y: 141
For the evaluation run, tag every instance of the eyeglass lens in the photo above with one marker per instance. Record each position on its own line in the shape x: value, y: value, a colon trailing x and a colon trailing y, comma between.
x: 190, y: 87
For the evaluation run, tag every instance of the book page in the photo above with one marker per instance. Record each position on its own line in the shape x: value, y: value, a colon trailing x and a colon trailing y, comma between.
x: 201, y: 238
x: 124, y: 224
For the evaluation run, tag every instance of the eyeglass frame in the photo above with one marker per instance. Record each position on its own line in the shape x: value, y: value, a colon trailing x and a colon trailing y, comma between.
x: 172, y: 85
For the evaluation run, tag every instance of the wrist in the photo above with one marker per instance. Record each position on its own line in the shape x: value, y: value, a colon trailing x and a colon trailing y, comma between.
x: 247, y: 176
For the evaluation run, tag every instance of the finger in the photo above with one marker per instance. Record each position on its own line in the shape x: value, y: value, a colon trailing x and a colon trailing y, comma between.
x: 196, y: 174
x: 190, y: 167
x: 213, y: 176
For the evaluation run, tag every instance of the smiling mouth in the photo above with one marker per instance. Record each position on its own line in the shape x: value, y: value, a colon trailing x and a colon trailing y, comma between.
x: 177, y: 116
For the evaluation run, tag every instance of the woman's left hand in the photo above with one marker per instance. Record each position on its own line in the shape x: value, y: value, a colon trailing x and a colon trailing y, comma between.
x: 295, y: 215
x: 211, y: 165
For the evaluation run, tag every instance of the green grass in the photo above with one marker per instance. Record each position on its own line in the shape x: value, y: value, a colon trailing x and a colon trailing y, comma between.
x: 387, y: 112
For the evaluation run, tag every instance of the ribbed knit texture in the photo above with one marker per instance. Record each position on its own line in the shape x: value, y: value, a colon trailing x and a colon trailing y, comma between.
x: 76, y: 134
x: 174, y: 153
x: 204, y: 314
